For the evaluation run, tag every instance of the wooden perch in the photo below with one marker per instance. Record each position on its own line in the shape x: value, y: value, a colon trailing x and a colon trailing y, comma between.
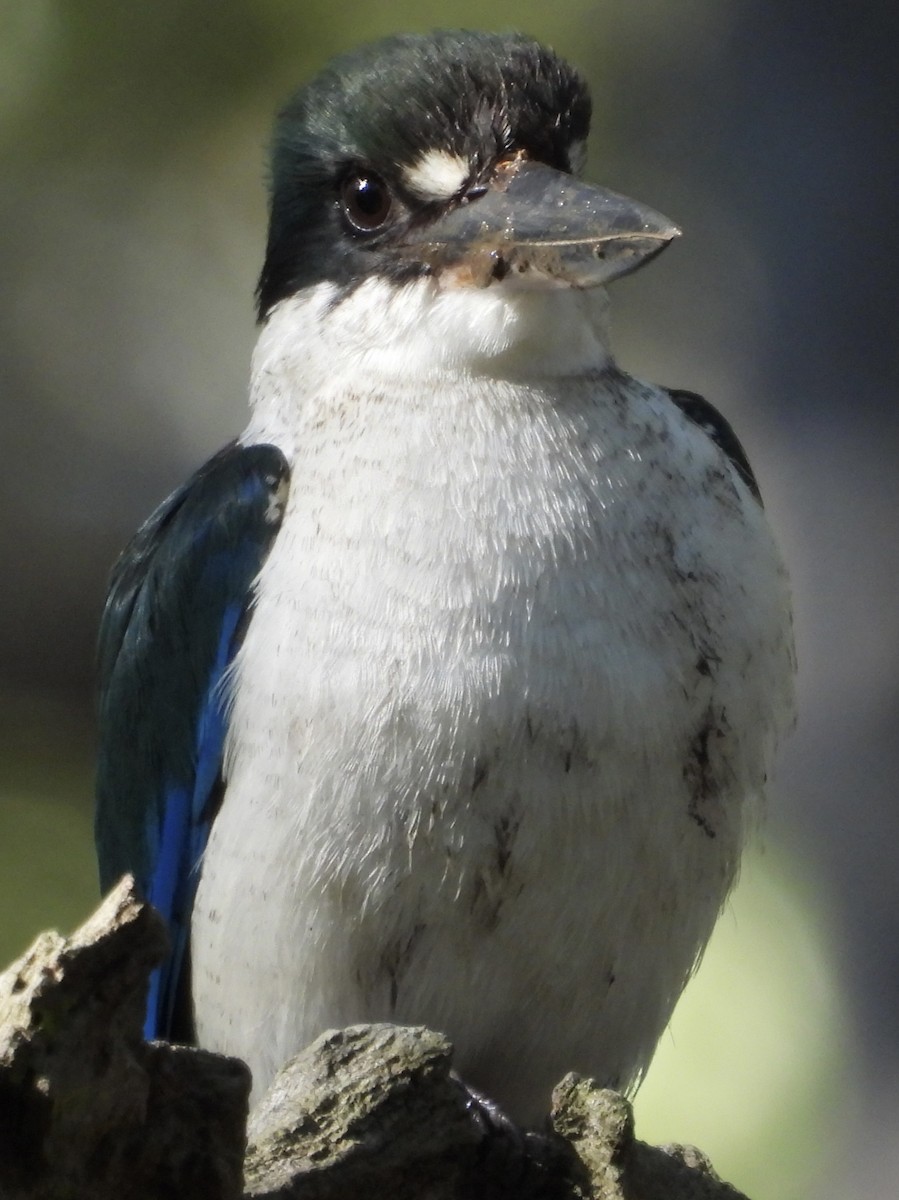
x: 90, y: 1111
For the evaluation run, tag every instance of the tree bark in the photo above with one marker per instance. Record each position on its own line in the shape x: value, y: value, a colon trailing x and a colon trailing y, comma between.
x: 90, y: 1111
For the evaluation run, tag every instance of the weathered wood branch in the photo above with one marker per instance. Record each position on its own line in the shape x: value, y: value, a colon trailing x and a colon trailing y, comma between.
x: 90, y: 1111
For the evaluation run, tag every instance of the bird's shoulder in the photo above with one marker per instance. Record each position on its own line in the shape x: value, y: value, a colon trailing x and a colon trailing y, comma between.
x: 212, y: 520
x: 704, y: 415
x: 177, y: 597
x: 178, y: 602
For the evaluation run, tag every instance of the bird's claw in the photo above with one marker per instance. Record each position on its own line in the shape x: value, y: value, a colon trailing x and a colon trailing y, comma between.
x: 521, y: 1156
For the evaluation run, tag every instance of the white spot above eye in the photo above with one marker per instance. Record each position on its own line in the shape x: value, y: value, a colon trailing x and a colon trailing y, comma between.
x: 437, y: 175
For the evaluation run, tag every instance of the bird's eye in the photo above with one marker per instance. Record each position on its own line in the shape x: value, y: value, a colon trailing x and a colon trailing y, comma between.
x: 366, y: 201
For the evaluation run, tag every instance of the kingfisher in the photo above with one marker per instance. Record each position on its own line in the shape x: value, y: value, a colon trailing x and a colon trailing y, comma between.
x: 445, y: 694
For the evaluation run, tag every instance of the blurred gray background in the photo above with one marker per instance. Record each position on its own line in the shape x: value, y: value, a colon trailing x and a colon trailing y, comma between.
x: 132, y: 214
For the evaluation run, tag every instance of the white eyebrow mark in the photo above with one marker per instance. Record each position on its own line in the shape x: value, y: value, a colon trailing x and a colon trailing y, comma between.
x: 437, y: 175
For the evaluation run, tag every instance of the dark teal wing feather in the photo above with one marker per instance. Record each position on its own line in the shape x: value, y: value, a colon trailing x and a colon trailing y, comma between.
x: 178, y: 604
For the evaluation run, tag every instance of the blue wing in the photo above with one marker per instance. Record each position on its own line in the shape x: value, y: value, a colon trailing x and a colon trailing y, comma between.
x: 178, y: 603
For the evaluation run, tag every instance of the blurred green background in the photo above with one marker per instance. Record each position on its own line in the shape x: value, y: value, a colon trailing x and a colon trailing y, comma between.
x: 132, y: 213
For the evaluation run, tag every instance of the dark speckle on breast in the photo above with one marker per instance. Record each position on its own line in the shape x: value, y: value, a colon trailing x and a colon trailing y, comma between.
x: 702, y: 772
x: 505, y: 831
x: 481, y: 771
x: 395, y: 959
x: 492, y: 885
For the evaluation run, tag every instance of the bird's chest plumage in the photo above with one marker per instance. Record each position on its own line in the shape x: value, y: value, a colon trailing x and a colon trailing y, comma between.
x: 504, y: 691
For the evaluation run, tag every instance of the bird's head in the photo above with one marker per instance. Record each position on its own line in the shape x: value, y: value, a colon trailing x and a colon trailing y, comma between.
x: 454, y: 156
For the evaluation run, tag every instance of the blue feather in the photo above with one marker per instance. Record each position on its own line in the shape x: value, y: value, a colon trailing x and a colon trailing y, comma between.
x: 178, y: 604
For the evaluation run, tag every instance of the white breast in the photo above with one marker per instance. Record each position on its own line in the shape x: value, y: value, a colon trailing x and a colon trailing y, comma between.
x: 517, y: 664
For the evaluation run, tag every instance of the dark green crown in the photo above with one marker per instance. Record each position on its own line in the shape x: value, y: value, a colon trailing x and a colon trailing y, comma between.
x: 479, y: 96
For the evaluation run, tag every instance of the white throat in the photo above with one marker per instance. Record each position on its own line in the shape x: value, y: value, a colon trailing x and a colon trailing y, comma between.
x: 320, y: 341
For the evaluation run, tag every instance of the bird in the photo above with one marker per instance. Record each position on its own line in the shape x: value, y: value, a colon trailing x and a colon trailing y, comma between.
x: 446, y: 693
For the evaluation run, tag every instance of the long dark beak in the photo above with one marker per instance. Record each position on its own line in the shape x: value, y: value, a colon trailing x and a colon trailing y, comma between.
x: 544, y: 225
